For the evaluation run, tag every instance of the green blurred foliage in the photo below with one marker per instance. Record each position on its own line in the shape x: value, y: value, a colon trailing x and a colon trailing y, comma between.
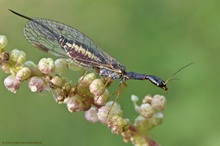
x: 153, y: 37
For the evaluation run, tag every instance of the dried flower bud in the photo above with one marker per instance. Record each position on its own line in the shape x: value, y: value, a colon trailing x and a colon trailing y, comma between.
x: 147, y: 99
x: 87, y: 80
x: 103, y: 115
x: 86, y: 104
x: 57, y: 81
x: 46, y: 65
x: 59, y: 95
x: 18, y: 56
x: 23, y: 74
x: 61, y: 65
x: 36, y: 84
x: 74, y: 103
x: 97, y: 87
x: 117, y: 124
x: 73, y: 91
x: 116, y: 108
x: 4, y: 56
x: 66, y: 86
x: 101, y: 100
x: 127, y: 135
x: 158, y: 102
x: 5, y: 67
x: 3, y: 42
x: 91, y: 115
x: 146, y: 110
x: 11, y: 83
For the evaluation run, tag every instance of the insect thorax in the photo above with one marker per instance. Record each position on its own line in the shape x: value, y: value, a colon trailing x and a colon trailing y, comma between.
x: 115, y: 72
x: 109, y: 74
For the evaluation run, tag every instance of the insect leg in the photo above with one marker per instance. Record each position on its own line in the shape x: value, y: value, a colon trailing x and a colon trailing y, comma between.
x: 122, y: 88
x: 77, y: 84
x: 118, y: 95
x: 106, y: 85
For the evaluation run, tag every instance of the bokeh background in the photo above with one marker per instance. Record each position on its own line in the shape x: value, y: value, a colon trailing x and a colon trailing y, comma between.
x: 153, y: 37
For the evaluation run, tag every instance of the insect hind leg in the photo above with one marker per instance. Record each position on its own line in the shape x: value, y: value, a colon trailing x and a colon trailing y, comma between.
x: 118, y: 95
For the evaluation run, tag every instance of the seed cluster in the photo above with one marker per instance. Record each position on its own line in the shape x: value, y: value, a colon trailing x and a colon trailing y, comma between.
x: 89, y: 94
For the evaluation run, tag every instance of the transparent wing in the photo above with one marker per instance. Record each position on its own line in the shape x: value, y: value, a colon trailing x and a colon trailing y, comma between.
x: 44, y: 34
x: 43, y: 39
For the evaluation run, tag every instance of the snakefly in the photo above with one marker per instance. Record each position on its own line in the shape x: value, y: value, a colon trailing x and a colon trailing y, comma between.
x: 66, y: 42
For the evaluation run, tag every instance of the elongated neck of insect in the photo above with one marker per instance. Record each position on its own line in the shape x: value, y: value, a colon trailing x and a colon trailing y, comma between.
x: 153, y: 79
x: 136, y: 76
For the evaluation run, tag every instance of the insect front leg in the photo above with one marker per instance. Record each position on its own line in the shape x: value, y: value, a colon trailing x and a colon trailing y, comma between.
x: 81, y: 79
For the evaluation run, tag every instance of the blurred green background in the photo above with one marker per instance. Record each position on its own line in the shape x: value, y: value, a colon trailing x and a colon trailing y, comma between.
x: 153, y: 37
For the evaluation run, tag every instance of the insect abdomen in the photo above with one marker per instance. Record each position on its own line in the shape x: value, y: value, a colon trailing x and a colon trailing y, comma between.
x: 80, y: 53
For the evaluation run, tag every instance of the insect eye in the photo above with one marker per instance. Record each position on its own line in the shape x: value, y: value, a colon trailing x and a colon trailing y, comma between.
x: 163, y: 86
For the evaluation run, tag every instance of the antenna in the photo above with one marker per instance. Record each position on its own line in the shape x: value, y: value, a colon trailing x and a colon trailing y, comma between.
x: 171, y: 77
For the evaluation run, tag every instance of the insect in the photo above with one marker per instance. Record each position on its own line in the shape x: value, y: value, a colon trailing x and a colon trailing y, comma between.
x: 66, y: 42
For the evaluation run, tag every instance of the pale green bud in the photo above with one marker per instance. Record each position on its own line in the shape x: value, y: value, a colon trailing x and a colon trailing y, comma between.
x: 61, y: 65
x: 33, y: 67
x: 3, y: 42
x: 18, y: 56
x: 23, y: 74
